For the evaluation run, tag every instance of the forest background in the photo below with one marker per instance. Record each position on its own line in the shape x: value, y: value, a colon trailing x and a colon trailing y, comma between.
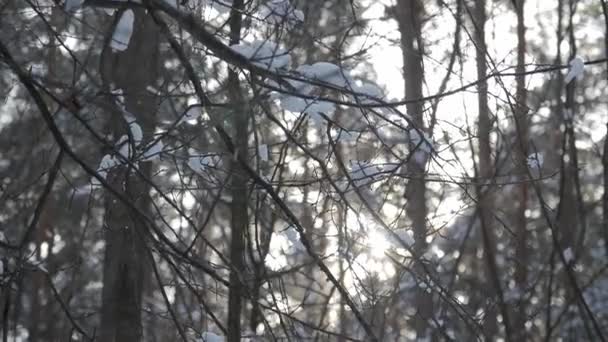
x: 210, y: 170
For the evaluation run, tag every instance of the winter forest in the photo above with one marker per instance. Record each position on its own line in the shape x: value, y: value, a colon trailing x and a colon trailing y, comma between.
x: 303, y: 170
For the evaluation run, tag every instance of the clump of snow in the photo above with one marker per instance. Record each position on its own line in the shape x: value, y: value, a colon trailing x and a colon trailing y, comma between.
x: 218, y: 6
x: 191, y: 114
x: 314, y: 108
x: 568, y: 255
x: 208, y: 336
x: 123, y: 31
x: 136, y: 133
x: 292, y: 237
x: 577, y: 67
x: 107, y: 163
x: 345, y: 136
x: 263, y: 152
x: 125, y: 151
x: 124, y: 146
x: 263, y: 53
x: 153, y: 152
x: 200, y: 163
x: 328, y: 73
x: 320, y: 75
x: 535, y: 160
x: 370, y: 92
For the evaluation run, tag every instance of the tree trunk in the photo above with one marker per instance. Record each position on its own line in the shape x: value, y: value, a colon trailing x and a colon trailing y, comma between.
x: 568, y: 213
x: 261, y: 234
x: 486, y: 169
x: 409, y: 16
x: 239, y: 220
x: 124, y: 272
x: 605, y: 155
x: 521, y: 116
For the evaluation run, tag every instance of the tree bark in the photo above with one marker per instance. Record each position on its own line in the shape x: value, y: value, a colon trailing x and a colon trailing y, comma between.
x: 521, y: 116
x: 486, y: 168
x: 605, y: 155
x: 132, y: 70
x: 238, y: 208
x: 409, y: 16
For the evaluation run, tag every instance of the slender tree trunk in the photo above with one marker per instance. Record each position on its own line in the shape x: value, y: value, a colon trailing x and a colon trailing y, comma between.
x: 259, y: 239
x: 553, y: 157
x: 521, y: 116
x: 37, y: 280
x: 409, y: 16
x: 605, y: 156
x: 341, y: 219
x: 132, y: 71
x: 568, y: 214
x: 486, y: 169
x: 240, y: 220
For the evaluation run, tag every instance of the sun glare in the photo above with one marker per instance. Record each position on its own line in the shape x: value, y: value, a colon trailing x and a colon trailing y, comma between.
x: 377, y: 244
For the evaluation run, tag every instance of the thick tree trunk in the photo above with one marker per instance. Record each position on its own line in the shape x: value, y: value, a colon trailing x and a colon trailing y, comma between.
x: 409, y: 16
x: 124, y: 272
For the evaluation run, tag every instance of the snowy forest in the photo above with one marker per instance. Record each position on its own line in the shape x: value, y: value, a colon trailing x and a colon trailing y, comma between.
x: 303, y: 170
